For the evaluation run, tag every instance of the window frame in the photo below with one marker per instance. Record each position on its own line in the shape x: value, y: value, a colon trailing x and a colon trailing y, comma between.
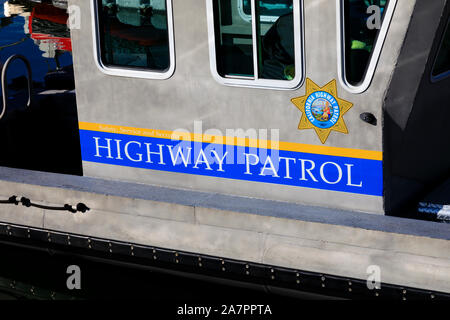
x: 299, y: 30
x: 123, y: 71
x: 375, y: 55
x: 445, y: 74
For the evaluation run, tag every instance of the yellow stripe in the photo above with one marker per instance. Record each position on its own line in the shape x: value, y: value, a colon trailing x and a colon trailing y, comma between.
x: 286, y: 146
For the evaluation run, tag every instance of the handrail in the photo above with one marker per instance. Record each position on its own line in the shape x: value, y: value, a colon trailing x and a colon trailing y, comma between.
x: 4, y: 83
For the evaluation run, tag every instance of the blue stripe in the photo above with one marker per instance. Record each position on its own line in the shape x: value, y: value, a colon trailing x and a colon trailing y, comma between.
x: 351, y: 175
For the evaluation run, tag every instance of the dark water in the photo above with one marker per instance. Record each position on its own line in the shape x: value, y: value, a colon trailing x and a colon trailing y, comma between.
x: 39, y: 32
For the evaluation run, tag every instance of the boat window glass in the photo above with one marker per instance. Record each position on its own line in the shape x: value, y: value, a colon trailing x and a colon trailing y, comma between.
x: 252, y: 50
x: 361, y: 33
x: 276, y: 47
x: 442, y: 65
x: 234, y: 44
x: 269, y: 10
x: 135, y: 35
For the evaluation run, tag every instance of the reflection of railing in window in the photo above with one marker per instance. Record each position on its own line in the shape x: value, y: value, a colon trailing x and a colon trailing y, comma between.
x: 4, y: 82
x: 130, y: 33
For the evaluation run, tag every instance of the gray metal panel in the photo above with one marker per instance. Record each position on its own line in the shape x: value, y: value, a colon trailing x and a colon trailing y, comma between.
x: 192, y: 94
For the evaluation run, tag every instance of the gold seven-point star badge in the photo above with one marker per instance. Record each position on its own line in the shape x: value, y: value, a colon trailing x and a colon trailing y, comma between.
x: 322, y: 110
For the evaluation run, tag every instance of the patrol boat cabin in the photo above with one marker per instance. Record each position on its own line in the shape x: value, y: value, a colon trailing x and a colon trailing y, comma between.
x: 278, y: 135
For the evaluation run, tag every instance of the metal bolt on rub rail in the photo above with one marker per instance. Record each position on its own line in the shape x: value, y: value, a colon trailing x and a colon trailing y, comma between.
x: 223, y: 265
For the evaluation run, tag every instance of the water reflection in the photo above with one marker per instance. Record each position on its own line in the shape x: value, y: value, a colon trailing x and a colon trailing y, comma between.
x: 39, y: 32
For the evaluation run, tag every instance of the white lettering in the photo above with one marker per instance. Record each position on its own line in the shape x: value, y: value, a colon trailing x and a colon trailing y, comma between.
x: 305, y: 170
x: 247, y: 162
x: 180, y: 154
x: 349, y: 177
x: 98, y: 147
x: 322, y: 175
x: 204, y: 160
x: 119, y: 155
x: 271, y: 168
x: 220, y: 160
x: 127, y: 154
x: 160, y: 153
x: 287, y: 162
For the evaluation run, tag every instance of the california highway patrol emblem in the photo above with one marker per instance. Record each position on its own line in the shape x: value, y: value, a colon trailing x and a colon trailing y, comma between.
x: 322, y: 110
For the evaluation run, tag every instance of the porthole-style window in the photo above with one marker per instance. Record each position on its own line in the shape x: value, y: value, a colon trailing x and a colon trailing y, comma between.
x: 256, y: 43
x: 441, y: 68
x: 134, y: 38
x: 362, y: 26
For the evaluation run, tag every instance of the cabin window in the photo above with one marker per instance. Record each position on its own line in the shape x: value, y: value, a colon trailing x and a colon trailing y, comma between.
x: 256, y: 43
x: 364, y: 25
x: 442, y: 65
x: 135, y: 37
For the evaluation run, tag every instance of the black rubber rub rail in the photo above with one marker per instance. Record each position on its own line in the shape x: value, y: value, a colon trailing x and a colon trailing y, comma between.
x: 148, y: 256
